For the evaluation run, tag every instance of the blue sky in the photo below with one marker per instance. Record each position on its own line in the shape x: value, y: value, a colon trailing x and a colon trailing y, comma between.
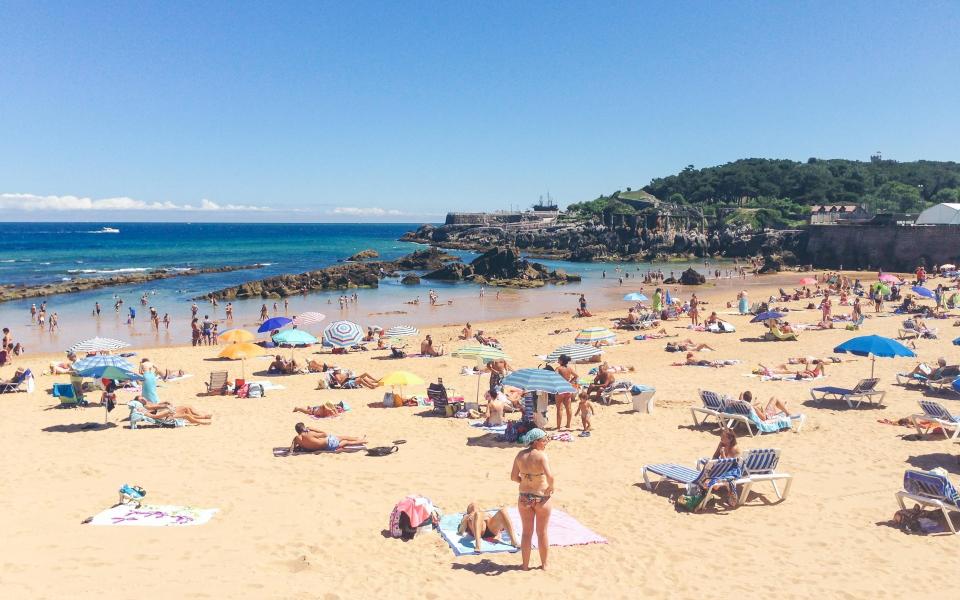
x: 375, y: 111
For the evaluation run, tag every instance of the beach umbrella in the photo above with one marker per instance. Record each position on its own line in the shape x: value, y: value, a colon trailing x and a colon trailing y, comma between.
x: 808, y: 281
x: 398, y: 331
x: 956, y: 342
x: 342, y: 334
x: 575, y: 352
x: 242, y: 351
x: 874, y: 346
x: 308, y: 318
x: 98, y: 344
x: 538, y: 380
x: 594, y: 335
x: 274, y: 323
x: 881, y: 288
x: 236, y: 335
x: 947, y: 267
x: 922, y: 291
x: 294, y: 337
x: 635, y: 297
x: 889, y: 278
x: 400, y: 379
x: 110, y: 372
x: 765, y: 316
x: 102, y: 360
x: 480, y: 353
x: 668, y: 299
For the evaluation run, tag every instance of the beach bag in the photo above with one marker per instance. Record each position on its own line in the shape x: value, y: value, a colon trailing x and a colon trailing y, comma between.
x: 255, y: 390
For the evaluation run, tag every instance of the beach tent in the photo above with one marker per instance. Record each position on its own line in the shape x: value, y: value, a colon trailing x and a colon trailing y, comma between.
x: 940, y: 214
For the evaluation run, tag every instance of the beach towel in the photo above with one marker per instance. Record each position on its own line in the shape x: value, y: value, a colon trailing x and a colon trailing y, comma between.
x: 153, y: 516
x: 268, y: 385
x: 773, y: 425
x: 491, y: 428
x: 564, y: 530
x: 285, y: 451
x: 179, y: 377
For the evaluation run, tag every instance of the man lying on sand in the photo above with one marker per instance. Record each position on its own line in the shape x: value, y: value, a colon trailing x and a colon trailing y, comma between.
x: 481, y: 525
x: 687, y: 345
x: 313, y: 439
x: 694, y: 362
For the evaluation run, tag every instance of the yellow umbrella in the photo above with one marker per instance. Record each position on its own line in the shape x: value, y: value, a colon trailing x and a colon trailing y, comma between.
x: 236, y: 335
x: 401, y: 378
x: 242, y: 351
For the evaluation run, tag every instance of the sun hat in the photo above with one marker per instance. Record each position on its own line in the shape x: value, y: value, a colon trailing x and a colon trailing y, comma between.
x: 532, y: 436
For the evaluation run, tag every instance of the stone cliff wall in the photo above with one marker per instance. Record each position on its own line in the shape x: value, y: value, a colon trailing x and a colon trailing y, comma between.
x: 891, y: 248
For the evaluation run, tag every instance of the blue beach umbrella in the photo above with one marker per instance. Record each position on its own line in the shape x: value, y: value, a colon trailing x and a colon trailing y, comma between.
x: 770, y: 314
x: 922, y: 291
x: 538, y: 380
x: 874, y: 346
x: 101, y: 360
x: 342, y: 334
x: 274, y: 323
x: 110, y: 372
x: 294, y: 337
x: 635, y: 297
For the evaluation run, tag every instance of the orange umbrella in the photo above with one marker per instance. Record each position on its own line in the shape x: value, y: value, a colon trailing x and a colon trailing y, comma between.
x: 236, y: 335
x: 242, y: 351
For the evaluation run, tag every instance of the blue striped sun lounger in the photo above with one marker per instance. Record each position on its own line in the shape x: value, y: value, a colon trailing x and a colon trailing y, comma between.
x: 935, y: 415
x: 741, y: 412
x: 930, y: 489
x: 713, y: 473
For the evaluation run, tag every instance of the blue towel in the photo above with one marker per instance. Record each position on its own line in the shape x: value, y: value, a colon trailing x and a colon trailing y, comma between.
x: 150, y: 388
x: 492, y: 429
x: 465, y: 544
x: 773, y: 425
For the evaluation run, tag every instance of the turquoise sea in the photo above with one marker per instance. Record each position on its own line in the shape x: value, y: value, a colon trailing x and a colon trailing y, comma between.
x: 33, y: 253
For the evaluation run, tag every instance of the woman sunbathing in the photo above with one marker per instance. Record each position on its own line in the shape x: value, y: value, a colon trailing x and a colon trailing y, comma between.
x: 164, y: 410
x: 773, y: 409
x: 694, y: 362
x: 314, y: 439
x: 344, y: 380
x: 687, y: 345
x: 812, y: 370
x: 481, y: 525
x: 328, y: 409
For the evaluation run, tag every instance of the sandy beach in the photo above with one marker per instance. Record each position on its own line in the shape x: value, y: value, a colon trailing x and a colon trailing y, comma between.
x: 314, y: 525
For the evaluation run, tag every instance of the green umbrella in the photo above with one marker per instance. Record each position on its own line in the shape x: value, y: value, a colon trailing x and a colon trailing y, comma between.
x: 480, y: 353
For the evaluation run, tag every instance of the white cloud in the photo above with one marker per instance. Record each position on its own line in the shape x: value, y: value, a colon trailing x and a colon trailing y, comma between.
x: 373, y: 211
x: 32, y: 202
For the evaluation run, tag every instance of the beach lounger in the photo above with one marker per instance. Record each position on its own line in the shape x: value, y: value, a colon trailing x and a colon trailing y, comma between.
x: 713, y: 404
x: 916, y: 378
x: 759, y: 465
x: 218, y: 382
x: 934, y: 414
x: 864, y: 390
x: 22, y: 381
x: 138, y: 417
x: 741, y: 412
x: 712, y: 474
x: 621, y: 388
x: 930, y: 489
x: 774, y: 333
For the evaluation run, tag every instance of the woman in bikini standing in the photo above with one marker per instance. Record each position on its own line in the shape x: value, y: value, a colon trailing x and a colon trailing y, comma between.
x: 532, y: 471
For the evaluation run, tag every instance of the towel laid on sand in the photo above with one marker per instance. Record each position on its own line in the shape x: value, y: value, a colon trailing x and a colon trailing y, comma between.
x: 153, y: 516
x: 285, y: 451
x: 564, y: 530
x: 491, y: 428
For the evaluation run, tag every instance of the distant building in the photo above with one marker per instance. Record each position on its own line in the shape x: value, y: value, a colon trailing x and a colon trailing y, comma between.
x: 831, y: 213
x: 941, y: 214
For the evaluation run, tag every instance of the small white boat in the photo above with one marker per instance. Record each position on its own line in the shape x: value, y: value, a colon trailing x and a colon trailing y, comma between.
x: 108, y: 230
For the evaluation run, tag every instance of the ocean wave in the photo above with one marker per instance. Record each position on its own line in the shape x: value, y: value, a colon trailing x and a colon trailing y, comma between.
x: 109, y: 271
x: 264, y: 264
x: 9, y: 260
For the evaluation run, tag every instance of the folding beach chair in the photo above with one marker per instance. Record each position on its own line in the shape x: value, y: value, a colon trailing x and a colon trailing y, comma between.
x: 712, y: 474
x: 218, y: 382
x: 438, y: 395
x: 713, y: 404
x: 934, y: 415
x: 19, y: 383
x: 741, y: 412
x: 930, y: 489
x: 865, y: 390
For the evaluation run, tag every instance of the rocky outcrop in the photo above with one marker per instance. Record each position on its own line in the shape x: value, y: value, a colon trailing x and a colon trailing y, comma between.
x: 410, y: 280
x: 20, y: 292
x: 692, y: 277
x: 423, y: 260
x: 364, y: 255
x: 501, y: 267
x: 586, y: 241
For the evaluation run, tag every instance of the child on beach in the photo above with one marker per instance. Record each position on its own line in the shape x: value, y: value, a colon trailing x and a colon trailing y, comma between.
x: 586, y: 411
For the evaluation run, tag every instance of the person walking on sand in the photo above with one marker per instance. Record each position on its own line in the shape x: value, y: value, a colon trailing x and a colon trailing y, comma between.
x: 565, y: 400
x: 531, y: 470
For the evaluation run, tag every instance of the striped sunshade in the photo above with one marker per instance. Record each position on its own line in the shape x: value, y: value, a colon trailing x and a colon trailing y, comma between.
x: 538, y: 380
x: 480, y: 352
x: 575, y: 352
x: 401, y: 331
x: 98, y: 344
x: 342, y: 334
x: 91, y: 362
x: 592, y: 335
x: 308, y: 318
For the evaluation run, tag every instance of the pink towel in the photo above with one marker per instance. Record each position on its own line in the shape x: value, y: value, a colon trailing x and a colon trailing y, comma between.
x: 564, y: 530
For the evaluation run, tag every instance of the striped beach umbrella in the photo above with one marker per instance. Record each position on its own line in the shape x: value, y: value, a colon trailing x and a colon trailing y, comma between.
x: 575, y: 352
x: 308, y: 318
x: 401, y: 331
x: 274, y: 323
x: 342, y: 334
x: 538, y: 380
x: 635, y: 297
x: 93, y: 362
x: 294, y: 337
x: 98, y: 344
x: 480, y: 352
x: 594, y: 335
